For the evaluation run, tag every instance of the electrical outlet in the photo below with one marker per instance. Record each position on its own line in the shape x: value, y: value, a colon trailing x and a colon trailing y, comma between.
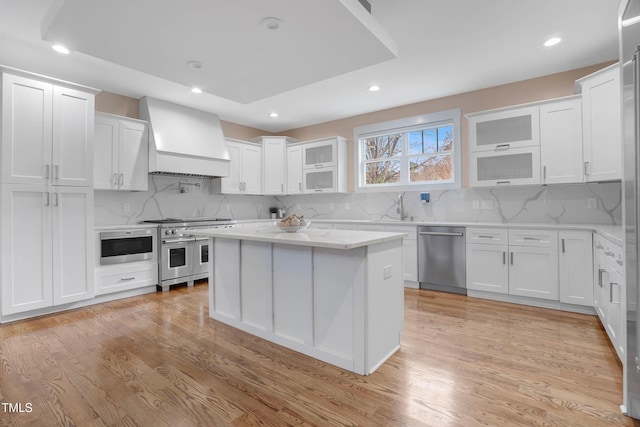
x: 487, y: 204
x: 346, y: 206
x: 126, y: 207
x: 386, y: 271
x: 475, y: 204
x: 332, y: 206
x: 592, y: 203
x: 298, y: 206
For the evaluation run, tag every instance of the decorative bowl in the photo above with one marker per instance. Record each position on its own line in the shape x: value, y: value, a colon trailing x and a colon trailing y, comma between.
x: 291, y: 229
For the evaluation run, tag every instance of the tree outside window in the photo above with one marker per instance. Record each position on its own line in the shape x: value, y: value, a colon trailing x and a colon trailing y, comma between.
x: 416, y: 156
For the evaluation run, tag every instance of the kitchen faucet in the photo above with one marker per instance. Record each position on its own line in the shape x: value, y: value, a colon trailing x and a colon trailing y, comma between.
x: 400, y: 208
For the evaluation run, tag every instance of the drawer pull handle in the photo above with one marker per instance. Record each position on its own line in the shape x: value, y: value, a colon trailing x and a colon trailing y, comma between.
x: 600, y: 271
x: 504, y: 257
x: 125, y: 279
x: 485, y: 237
x: 503, y: 182
x: 563, y: 246
x: 511, y: 258
x: 501, y: 147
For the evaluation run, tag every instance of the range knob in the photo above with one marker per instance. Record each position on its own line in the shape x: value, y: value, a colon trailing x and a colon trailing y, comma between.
x: 167, y: 232
x: 174, y: 231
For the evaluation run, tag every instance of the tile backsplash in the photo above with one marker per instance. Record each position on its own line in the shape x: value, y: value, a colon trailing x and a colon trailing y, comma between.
x: 598, y: 203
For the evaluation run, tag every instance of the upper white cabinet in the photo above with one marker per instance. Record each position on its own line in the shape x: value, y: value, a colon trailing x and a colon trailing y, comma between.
x: 274, y: 164
x: 504, y: 147
x: 245, y: 175
x: 601, y: 120
x: 47, y: 133
x: 121, y: 153
x: 561, y: 141
x: 294, y: 169
x: 504, y: 129
x: 324, y: 164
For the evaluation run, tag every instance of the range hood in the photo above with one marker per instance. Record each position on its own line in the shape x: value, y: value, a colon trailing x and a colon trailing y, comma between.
x: 184, y: 141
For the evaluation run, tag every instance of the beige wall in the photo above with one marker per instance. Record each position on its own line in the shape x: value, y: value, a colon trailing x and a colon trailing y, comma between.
x: 552, y: 86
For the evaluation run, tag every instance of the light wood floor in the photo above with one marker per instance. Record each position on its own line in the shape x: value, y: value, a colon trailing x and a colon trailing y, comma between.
x: 159, y: 360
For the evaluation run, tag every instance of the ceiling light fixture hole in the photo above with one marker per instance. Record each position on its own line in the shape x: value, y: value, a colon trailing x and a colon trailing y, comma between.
x: 552, y: 41
x: 271, y: 23
x: 196, y: 65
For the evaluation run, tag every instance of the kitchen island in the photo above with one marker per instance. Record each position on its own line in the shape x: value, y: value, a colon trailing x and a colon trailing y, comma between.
x: 334, y: 295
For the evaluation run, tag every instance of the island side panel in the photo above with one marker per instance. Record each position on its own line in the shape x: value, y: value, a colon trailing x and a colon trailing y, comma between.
x: 225, y: 291
x: 384, y: 302
x: 293, y: 293
x: 256, y: 297
x: 337, y: 276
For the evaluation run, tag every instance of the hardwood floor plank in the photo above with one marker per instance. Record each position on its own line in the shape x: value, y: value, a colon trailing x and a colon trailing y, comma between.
x: 160, y: 360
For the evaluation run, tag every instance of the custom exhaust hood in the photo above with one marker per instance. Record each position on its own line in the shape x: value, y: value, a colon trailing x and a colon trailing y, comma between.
x: 184, y: 141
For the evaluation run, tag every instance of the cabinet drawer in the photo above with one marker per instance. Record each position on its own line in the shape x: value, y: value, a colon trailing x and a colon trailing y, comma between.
x: 491, y: 236
x: 533, y: 238
x: 115, y: 280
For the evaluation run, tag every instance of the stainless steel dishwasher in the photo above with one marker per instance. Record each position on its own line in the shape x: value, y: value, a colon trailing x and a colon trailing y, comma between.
x: 442, y: 259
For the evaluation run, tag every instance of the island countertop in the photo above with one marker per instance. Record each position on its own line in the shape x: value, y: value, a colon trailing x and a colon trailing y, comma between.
x: 334, y: 239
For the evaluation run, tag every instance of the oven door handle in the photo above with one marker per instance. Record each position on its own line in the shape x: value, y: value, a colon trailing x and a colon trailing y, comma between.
x: 178, y: 240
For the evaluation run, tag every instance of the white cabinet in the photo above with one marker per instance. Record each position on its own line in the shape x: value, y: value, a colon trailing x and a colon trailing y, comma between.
x: 518, y: 262
x: 47, y: 133
x: 324, y: 164
x: 601, y: 121
x: 513, y: 166
x: 575, y: 276
x: 294, y: 169
x: 504, y: 129
x: 121, y: 153
x: 274, y: 165
x: 245, y: 175
x: 561, y: 141
x: 47, y: 249
x: 610, y: 291
x: 487, y: 268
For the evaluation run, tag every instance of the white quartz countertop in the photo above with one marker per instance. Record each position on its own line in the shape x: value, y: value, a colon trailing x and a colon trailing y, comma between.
x: 334, y: 239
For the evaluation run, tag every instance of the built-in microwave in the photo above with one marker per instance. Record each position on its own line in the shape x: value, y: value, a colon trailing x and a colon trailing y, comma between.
x: 127, y: 245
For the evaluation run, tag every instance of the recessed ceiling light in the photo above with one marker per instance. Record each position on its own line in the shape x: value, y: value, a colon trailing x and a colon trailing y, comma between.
x: 374, y: 88
x: 196, y: 65
x: 273, y: 115
x: 552, y: 41
x: 60, y: 49
x: 196, y: 90
x: 271, y: 23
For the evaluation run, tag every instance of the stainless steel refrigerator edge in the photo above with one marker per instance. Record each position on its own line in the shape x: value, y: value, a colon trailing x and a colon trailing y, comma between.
x: 629, y: 30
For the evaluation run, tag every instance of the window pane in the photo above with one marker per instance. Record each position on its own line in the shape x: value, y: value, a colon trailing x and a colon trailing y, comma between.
x: 445, y: 138
x: 423, y: 141
x: 383, y: 172
x: 430, y: 168
x: 382, y: 147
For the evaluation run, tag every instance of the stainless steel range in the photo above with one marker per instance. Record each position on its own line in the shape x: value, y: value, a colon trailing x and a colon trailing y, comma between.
x: 183, y: 257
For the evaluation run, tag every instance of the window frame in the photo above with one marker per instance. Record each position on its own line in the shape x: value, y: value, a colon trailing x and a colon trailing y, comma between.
x: 404, y: 126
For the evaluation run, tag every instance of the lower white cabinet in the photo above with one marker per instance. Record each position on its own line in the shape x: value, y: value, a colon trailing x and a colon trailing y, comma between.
x: 126, y: 277
x: 610, y: 292
x: 576, y: 257
x: 47, y: 246
x: 543, y: 264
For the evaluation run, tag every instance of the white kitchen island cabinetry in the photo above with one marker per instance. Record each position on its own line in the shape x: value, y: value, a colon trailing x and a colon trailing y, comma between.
x: 121, y: 153
x: 334, y: 295
x: 47, y: 132
x: 47, y: 246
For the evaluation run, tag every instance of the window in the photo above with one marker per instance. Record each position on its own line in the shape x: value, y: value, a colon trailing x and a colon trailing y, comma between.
x: 421, y: 151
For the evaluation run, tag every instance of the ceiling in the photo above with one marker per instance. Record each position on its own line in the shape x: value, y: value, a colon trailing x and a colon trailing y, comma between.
x: 318, y: 65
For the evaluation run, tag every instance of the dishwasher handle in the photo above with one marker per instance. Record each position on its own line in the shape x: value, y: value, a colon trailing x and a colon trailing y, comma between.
x: 439, y: 233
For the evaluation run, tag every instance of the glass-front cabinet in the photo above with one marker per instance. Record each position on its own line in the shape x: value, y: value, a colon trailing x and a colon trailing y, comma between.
x: 516, y: 166
x: 319, y: 154
x: 504, y: 129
